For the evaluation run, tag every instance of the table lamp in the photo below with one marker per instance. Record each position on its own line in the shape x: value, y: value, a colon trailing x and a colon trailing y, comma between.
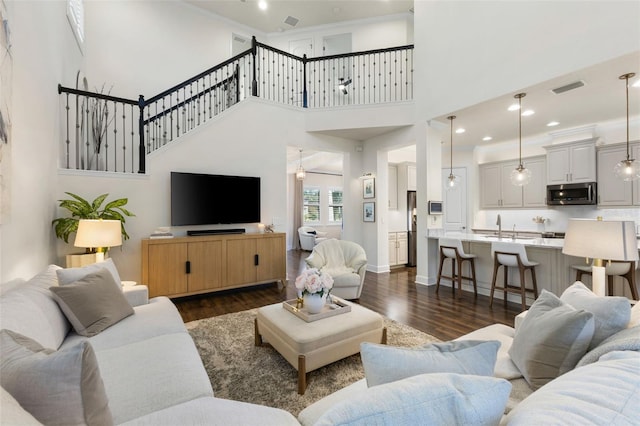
x: 98, y: 235
x: 601, y: 240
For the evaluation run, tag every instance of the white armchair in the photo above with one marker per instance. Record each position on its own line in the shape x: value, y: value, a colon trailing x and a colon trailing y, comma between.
x: 309, y: 237
x: 345, y: 261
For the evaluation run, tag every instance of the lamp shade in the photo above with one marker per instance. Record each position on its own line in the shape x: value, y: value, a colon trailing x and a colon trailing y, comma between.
x: 601, y: 239
x: 98, y: 233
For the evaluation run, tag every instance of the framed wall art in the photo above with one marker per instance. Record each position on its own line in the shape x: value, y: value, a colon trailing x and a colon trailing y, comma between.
x: 369, y: 188
x: 369, y: 211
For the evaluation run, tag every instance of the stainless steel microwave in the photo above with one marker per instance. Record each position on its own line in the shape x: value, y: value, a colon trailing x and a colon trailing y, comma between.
x: 572, y: 194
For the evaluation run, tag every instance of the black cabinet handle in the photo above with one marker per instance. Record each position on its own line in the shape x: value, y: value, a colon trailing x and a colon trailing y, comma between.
x: 188, y: 267
x: 256, y: 260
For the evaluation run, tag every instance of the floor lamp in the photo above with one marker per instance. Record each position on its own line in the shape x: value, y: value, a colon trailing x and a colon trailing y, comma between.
x: 601, y: 240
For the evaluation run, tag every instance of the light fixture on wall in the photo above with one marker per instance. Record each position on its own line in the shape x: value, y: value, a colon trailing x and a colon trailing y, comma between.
x: 520, y: 176
x: 300, y: 173
x: 343, y: 85
x: 452, y: 180
x: 628, y: 169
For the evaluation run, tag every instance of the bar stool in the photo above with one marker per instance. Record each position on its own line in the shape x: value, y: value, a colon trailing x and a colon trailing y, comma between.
x: 451, y: 248
x: 617, y: 268
x: 512, y: 255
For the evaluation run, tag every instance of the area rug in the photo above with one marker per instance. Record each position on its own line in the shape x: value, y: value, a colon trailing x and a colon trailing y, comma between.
x: 241, y: 371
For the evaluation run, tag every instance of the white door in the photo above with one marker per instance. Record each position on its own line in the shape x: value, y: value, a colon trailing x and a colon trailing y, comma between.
x: 301, y: 47
x: 455, y: 202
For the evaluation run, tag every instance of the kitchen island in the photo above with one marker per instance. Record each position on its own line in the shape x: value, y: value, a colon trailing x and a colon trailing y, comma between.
x: 553, y: 274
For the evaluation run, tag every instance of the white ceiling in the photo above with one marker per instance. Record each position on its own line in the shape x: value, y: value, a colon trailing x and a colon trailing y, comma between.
x: 601, y: 99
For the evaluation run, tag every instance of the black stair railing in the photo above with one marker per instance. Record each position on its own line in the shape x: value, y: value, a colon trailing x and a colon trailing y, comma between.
x: 102, y: 130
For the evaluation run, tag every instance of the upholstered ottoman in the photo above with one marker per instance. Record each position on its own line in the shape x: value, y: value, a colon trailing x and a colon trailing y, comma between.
x: 308, y: 346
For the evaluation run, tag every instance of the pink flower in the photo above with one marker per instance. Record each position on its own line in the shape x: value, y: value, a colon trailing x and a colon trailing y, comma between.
x: 313, y: 281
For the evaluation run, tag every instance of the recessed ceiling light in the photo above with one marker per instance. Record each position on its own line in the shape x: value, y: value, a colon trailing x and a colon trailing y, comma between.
x: 460, y: 130
x: 552, y: 123
x: 487, y: 138
x: 513, y: 107
x: 528, y: 112
x: 262, y: 4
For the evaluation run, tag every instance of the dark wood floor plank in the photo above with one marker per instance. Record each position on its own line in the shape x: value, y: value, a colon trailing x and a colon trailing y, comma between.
x: 394, y: 294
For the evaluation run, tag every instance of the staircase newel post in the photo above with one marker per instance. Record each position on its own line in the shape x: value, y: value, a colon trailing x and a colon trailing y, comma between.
x: 254, y: 53
x: 304, y: 81
x: 141, y: 149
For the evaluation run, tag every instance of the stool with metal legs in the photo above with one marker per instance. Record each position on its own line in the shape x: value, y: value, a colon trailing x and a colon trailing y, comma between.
x: 622, y: 268
x: 512, y: 255
x: 451, y: 248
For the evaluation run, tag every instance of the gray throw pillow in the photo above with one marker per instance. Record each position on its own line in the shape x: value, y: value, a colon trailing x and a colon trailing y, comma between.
x: 384, y: 364
x: 92, y: 303
x: 71, y: 275
x: 426, y: 399
x: 610, y: 313
x: 551, y: 339
x: 56, y: 387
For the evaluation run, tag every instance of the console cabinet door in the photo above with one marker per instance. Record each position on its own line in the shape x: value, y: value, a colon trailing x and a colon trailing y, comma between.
x: 166, y: 271
x: 205, y: 259
x: 272, y: 262
x: 241, y: 262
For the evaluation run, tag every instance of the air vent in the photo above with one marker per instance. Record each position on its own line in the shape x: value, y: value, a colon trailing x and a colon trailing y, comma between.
x: 239, y: 39
x: 568, y: 87
x: 291, y: 21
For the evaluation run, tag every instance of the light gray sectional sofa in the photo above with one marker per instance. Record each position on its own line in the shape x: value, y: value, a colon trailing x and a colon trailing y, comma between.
x: 149, y: 367
x: 570, y: 360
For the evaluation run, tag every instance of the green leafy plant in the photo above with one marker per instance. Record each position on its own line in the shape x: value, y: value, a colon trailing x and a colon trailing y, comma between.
x: 83, y: 209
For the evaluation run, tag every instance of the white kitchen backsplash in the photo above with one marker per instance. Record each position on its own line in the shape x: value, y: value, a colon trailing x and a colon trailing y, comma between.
x: 556, y: 218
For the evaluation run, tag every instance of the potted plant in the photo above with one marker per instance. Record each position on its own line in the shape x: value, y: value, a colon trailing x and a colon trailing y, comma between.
x: 83, y: 209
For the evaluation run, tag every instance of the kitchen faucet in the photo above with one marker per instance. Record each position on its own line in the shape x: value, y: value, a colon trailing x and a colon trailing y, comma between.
x: 499, y: 223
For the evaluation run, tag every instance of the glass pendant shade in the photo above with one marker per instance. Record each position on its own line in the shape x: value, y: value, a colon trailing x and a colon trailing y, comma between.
x: 452, y: 182
x: 300, y: 173
x: 627, y: 170
x: 520, y: 176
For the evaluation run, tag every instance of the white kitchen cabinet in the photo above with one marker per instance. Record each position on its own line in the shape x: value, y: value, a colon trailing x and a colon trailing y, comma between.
x: 611, y: 190
x: 573, y: 162
x: 635, y: 153
x: 398, y: 248
x: 393, y: 188
x: 535, y: 193
x: 497, y: 191
x: 412, y: 178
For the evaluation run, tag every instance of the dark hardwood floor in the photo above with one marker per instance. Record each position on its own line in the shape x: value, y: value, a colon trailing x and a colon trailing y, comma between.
x: 394, y: 294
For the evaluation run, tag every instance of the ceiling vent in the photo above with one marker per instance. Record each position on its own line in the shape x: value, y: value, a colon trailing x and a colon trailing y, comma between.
x: 291, y: 21
x: 568, y: 87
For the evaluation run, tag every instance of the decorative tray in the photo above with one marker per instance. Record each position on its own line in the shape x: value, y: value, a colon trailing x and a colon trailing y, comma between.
x: 338, y: 307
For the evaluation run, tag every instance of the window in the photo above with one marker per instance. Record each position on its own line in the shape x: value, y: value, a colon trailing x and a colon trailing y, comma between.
x: 311, y: 204
x: 75, y: 14
x: 335, y: 205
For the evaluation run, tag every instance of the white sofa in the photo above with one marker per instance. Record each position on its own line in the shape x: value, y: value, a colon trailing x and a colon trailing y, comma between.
x: 601, y: 384
x: 149, y: 366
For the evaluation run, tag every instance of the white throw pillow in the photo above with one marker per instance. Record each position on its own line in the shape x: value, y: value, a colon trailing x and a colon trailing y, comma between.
x: 426, y: 399
x: 70, y: 275
x: 61, y: 388
x: 610, y: 313
x: 635, y: 316
x: 551, y: 339
x: 384, y: 364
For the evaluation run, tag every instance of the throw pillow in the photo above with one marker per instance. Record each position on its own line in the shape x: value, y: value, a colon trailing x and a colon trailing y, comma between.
x: 92, y: 303
x: 551, y: 339
x: 426, y: 399
x: 610, y: 313
x: 71, y: 275
x: 62, y: 388
x: 384, y: 364
x: 635, y: 316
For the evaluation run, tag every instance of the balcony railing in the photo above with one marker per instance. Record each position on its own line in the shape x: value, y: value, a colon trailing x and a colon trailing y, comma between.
x: 109, y: 133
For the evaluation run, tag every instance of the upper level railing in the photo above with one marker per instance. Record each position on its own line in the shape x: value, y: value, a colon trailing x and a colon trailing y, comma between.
x: 109, y: 133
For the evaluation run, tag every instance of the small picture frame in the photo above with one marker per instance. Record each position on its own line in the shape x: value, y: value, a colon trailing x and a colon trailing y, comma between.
x: 369, y: 188
x: 369, y: 211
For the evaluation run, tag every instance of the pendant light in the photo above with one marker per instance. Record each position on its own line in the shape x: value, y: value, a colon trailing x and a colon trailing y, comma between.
x: 628, y: 169
x: 300, y: 173
x: 520, y: 176
x: 452, y: 180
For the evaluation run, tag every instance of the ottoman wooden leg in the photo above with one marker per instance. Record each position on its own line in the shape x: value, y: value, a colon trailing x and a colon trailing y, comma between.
x: 257, y: 337
x: 384, y: 336
x: 302, y: 375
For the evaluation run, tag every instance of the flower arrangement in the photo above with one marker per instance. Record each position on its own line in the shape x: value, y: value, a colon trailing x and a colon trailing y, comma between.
x: 313, y: 281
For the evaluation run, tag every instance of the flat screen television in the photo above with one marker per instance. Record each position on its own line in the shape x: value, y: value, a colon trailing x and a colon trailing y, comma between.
x: 205, y: 199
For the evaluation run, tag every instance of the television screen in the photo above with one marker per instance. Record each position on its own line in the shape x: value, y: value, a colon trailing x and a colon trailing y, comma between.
x: 203, y: 199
